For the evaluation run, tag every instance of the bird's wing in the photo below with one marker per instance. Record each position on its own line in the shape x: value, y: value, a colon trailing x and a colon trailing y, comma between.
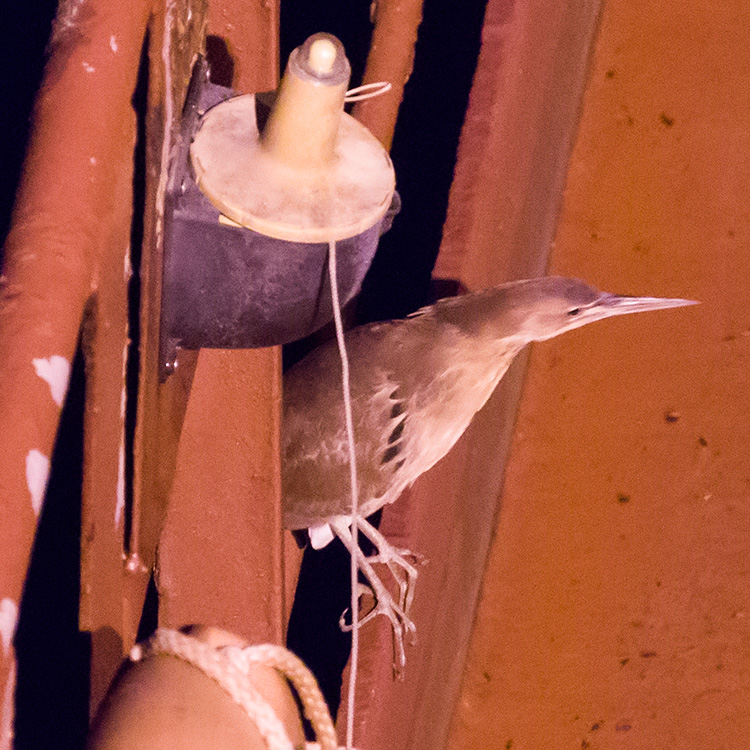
x: 315, y: 458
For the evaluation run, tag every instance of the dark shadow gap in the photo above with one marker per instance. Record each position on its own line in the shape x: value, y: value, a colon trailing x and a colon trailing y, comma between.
x: 24, y: 32
x: 52, y: 693
x: 132, y: 369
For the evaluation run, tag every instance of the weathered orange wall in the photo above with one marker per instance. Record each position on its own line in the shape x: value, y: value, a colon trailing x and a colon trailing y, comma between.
x: 616, y: 609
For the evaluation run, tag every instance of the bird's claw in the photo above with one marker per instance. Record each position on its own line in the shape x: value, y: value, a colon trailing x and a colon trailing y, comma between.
x: 403, y: 627
x: 400, y: 562
x: 403, y: 572
x: 405, y: 575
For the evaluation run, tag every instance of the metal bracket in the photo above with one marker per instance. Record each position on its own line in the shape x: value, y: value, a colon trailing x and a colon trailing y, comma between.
x: 225, y: 286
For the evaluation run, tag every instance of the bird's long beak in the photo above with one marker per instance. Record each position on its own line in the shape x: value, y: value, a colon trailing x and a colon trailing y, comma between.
x: 620, y: 305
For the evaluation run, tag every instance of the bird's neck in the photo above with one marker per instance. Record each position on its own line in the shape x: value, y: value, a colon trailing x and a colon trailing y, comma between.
x: 483, y: 334
x: 489, y: 315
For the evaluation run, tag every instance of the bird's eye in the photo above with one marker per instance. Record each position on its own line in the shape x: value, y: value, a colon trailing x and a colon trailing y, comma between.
x: 574, y: 311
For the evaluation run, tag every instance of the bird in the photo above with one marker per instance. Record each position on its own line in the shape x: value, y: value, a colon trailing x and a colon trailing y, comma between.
x: 415, y: 385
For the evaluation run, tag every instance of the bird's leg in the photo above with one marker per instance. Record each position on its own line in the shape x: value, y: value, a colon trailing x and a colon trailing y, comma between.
x: 397, y: 561
x: 384, y: 604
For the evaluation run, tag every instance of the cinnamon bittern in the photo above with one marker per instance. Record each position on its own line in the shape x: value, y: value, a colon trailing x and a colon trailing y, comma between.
x: 415, y: 386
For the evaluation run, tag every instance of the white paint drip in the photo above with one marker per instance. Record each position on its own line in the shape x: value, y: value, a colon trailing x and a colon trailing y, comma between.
x: 66, y: 19
x: 56, y: 372
x: 37, y: 474
x: 120, y: 502
x: 8, y: 622
x: 7, y: 734
x: 134, y: 565
x: 120, y: 505
x: 113, y: 43
x: 124, y: 368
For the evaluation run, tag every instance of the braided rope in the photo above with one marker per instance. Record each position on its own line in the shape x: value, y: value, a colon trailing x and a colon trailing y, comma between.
x: 229, y: 667
x: 294, y: 669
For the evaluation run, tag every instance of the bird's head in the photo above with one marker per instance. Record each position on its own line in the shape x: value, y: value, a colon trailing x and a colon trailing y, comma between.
x: 546, y: 307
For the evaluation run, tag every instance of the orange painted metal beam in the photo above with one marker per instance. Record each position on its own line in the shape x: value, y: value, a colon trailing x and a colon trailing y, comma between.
x: 516, y: 141
x: 250, y: 31
x: 113, y: 593
x: 614, y: 609
x: 391, y: 59
x: 65, y: 216
x: 177, y: 37
x: 221, y: 551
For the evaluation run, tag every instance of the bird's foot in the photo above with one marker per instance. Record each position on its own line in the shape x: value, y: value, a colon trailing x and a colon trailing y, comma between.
x: 403, y: 628
x: 400, y: 562
x: 397, y: 613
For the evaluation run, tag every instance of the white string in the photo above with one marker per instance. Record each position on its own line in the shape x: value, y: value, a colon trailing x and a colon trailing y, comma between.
x: 367, y: 91
x: 354, y: 490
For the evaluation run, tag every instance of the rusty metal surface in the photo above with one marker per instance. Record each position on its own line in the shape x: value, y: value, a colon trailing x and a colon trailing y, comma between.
x: 250, y: 33
x: 391, y: 58
x: 103, y: 490
x: 220, y: 555
x: 503, y: 206
x: 516, y: 141
x: 112, y: 595
x: 65, y: 217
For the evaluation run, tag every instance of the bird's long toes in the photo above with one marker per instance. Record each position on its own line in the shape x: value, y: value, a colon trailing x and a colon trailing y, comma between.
x: 397, y: 616
x: 406, y: 577
x: 384, y: 605
x: 347, y: 627
x: 345, y: 621
x: 399, y: 655
x: 402, y: 557
x: 401, y: 625
x: 405, y: 573
x: 414, y: 558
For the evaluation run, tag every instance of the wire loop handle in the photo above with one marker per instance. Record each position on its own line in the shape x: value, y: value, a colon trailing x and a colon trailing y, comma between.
x: 367, y: 91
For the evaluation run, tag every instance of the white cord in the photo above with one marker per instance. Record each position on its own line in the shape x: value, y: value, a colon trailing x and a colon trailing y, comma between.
x: 227, y: 674
x: 367, y: 91
x: 354, y: 490
x: 229, y: 666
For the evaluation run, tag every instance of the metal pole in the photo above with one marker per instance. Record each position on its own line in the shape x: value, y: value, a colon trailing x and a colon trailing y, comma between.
x: 82, y: 140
